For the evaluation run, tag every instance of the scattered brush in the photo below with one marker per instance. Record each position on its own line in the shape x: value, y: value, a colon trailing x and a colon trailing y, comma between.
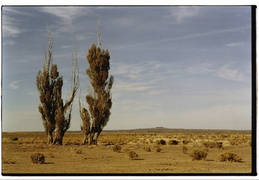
x: 37, y: 158
x: 212, y: 144
x: 229, y: 156
x: 161, y: 142
x: 199, y: 154
x: 132, y: 155
x: 116, y: 148
x: 173, y: 142
x: 157, y: 148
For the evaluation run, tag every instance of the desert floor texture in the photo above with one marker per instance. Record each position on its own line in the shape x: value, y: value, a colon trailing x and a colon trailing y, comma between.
x: 104, y: 158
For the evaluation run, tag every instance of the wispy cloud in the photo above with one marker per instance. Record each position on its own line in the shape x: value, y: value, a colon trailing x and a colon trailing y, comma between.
x: 185, y: 37
x: 65, y: 15
x: 230, y: 73
x: 236, y: 44
x: 180, y: 14
x: 203, y: 68
x: 9, y: 42
x: 11, y: 22
x: 227, y: 71
x: 10, y: 27
x: 14, y: 85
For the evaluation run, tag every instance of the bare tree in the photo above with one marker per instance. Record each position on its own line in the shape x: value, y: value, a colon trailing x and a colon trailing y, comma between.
x: 46, y: 83
x: 56, y: 115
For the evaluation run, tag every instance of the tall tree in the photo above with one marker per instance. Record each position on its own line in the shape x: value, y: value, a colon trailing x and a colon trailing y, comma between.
x: 55, y: 114
x: 100, y: 100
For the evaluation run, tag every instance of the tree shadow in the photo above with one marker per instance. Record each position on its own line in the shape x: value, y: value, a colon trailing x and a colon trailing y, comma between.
x: 48, y: 163
x: 138, y: 159
x: 209, y: 160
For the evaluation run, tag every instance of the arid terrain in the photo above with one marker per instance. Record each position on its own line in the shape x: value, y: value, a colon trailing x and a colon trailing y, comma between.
x: 111, y: 155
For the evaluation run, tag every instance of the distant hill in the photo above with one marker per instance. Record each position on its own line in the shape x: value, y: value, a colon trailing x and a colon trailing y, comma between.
x: 171, y: 130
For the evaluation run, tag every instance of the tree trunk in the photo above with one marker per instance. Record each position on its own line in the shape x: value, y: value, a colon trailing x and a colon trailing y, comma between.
x: 85, y: 140
x: 50, y: 138
x: 58, y: 138
x: 96, y: 136
x: 90, y: 137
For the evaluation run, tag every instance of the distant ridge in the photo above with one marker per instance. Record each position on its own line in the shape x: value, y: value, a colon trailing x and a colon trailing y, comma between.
x: 171, y: 130
x: 158, y: 130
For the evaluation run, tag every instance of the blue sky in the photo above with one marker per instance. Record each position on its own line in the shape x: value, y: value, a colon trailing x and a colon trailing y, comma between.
x: 174, y: 66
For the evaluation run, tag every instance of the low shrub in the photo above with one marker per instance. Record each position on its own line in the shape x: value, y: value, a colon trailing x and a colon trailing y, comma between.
x: 161, y: 142
x: 199, y: 154
x: 213, y: 144
x: 173, y: 142
x: 229, y: 156
x: 37, y: 158
x: 14, y: 138
x: 132, y: 155
x: 116, y: 148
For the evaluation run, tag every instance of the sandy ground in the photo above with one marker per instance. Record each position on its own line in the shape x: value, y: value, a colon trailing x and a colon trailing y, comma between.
x: 73, y: 158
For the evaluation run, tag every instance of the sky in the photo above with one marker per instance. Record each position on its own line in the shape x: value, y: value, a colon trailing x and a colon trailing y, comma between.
x: 174, y: 66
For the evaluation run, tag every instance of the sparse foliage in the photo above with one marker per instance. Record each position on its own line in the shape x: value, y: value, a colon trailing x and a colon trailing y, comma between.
x: 56, y: 114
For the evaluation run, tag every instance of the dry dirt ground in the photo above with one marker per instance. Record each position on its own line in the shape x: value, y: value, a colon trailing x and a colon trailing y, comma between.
x: 73, y: 158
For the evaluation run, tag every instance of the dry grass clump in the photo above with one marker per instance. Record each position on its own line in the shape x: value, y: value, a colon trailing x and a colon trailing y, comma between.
x: 157, y: 148
x: 79, y: 151
x: 147, y: 149
x: 116, y: 148
x: 199, y: 154
x: 229, y: 156
x: 173, y: 142
x: 37, y: 158
x: 132, y: 155
x: 212, y: 144
x: 233, y: 142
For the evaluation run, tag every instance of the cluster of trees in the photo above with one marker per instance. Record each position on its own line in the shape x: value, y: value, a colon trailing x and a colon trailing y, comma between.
x: 56, y: 113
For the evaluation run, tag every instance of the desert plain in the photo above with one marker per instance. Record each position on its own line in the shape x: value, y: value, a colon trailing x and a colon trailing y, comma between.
x: 110, y: 156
